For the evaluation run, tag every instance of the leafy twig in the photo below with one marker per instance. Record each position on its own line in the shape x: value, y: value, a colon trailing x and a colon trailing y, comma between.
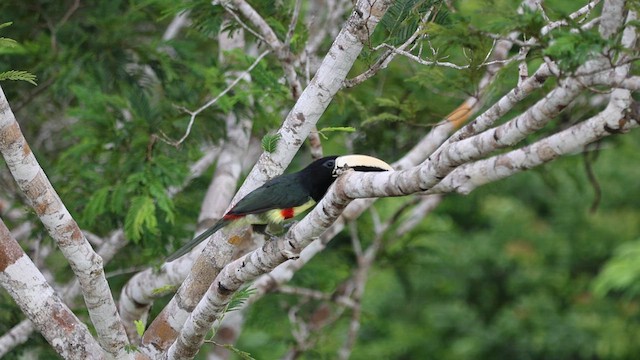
x: 195, y: 113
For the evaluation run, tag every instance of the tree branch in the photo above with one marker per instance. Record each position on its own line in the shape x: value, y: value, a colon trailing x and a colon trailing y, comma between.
x: 38, y: 301
x: 85, y: 263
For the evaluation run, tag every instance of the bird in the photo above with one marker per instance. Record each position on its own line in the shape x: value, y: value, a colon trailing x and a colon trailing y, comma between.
x: 286, y: 196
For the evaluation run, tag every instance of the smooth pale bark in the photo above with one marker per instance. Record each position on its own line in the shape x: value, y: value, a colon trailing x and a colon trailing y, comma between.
x: 354, y: 185
x: 141, y: 289
x: 295, y: 129
x: 85, y: 263
x: 615, y: 119
x: 20, y: 277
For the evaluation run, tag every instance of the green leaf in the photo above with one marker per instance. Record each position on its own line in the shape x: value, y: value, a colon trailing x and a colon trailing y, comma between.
x: 242, y: 354
x: 621, y: 273
x: 383, y: 117
x: 140, y: 217
x: 163, y: 290
x: 571, y: 50
x: 162, y: 200
x: 270, y: 142
x: 335, y: 128
x: 240, y: 298
x: 4, y: 25
x: 6, y: 42
x: 118, y: 199
x: 97, y: 205
x: 17, y: 75
x: 140, y: 326
x: 338, y: 128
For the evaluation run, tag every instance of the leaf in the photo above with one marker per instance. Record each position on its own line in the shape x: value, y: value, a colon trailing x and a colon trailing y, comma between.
x: 621, y: 273
x: 141, y: 216
x: 4, y: 25
x: 240, y: 298
x: 571, y: 50
x: 162, y: 200
x: 402, y: 19
x: 6, y: 42
x: 389, y: 102
x: 17, y: 74
x: 242, y: 354
x: 270, y: 142
x: 338, y: 128
x: 383, y: 117
x: 140, y: 326
x: 163, y: 290
x: 118, y: 199
x: 96, y: 206
x: 335, y: 128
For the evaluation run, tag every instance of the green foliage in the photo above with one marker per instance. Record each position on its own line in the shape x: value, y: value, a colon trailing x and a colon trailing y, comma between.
x: 164, y: 290
x: 140, y: 326
x: 518, y: 269
x: 270, y: 142
x: 130, y: 349
x: 402, y: 19
x: 241, y: 354
x: 622, y: 272
x: 239, y: 298
x: 16, y: 75
x: 324, y: 130
x: 140, y: 217
x: 570, y: 49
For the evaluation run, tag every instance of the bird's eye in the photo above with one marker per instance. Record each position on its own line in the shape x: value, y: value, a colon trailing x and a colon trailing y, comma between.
x: 330, y: 164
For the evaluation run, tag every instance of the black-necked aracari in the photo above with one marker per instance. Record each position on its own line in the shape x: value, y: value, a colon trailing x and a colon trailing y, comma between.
x: 286, y: 196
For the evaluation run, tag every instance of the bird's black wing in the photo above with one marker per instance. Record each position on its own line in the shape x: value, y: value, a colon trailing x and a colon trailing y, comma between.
x: 278, y: 193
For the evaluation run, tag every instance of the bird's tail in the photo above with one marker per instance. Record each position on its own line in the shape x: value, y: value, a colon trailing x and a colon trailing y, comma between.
x: 198, y: 239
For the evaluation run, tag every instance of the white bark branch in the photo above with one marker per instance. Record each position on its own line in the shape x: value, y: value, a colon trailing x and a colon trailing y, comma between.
x: 614, y: 119
x: 219, y: 195
x: 85, y: 263
x: 295, y: 129
x: 37, y: 299
x: 19, y: 334
x: 248, y: 267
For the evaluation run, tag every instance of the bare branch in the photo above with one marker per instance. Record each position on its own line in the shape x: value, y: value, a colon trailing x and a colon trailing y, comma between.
x: 195, y: 113
x: 29, y: 289
x: 85, y: 263
x: 219, y: 194
x: 384, y: 59
x: 583, y: 11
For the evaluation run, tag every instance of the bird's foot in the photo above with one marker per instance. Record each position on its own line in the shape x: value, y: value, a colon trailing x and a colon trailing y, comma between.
x: 289, y: 225
x: 259, y: 228
x: 291, y: 255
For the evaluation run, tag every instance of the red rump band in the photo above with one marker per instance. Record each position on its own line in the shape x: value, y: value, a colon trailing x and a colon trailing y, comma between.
x: 287, y: 213
x: 232, y: 217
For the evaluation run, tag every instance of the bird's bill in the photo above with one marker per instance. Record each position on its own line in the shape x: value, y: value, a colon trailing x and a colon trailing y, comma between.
x: 360, y: 163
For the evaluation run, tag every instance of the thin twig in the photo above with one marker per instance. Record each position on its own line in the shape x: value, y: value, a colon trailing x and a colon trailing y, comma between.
x: 293, y: 23
x: 211, y: 102
x: 245, y: 26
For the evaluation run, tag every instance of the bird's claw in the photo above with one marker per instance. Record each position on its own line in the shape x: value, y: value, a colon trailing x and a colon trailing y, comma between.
x: 291, y: 255
x: 289, y: 225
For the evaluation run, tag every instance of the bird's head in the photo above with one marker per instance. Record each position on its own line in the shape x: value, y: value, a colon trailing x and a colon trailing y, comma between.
x: 321, y: 173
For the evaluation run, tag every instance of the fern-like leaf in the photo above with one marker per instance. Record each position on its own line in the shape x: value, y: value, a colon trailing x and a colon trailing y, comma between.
x: 270, y: 142
x: 17, y: 75
x: 240, y: 298
x: 141, y: 216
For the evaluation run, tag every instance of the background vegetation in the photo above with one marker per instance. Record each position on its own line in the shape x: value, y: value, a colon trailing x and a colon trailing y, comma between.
x: 543, y: 265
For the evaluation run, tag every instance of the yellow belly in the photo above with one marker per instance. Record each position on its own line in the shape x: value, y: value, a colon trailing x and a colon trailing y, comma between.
x: 278, y: 216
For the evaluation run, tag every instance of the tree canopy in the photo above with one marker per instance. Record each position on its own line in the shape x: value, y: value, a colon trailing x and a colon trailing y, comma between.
x: 508, y: 230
